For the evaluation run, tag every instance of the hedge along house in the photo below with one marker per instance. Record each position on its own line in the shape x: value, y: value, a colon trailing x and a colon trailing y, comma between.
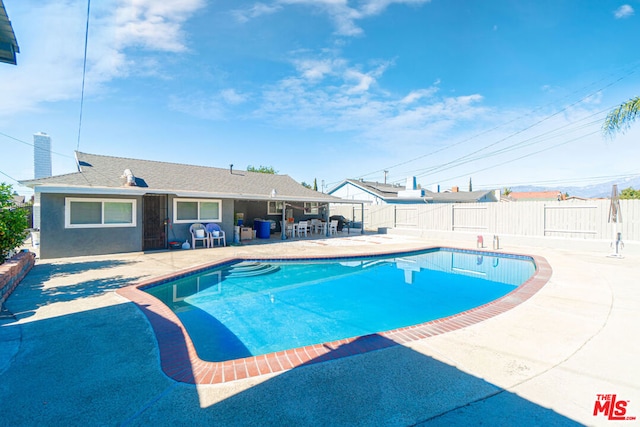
x: 114, y: 205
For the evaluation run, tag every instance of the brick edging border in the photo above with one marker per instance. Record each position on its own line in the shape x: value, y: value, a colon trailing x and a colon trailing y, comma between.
x: 13, y: 271
x: 180, y: 361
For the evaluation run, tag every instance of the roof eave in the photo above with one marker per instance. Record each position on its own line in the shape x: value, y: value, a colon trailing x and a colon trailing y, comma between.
x: 138, y: 191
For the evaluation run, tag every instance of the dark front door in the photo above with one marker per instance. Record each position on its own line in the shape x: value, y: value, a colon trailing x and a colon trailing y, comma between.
x: 154, y: 222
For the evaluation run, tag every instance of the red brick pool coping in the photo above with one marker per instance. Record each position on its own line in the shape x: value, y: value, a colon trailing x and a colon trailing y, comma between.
x: 180, y: 361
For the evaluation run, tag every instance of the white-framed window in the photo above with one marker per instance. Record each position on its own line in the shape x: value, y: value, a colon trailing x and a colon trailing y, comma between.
x: 311, y: 208
x: 274, y: 208
x: 196, y: 210
x: 99, y: 213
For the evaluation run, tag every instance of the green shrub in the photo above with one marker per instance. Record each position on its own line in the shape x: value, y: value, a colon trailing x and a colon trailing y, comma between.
x: 13, y: 223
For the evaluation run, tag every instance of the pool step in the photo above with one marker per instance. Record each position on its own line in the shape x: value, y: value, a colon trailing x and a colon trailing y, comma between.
x: 250, y: 269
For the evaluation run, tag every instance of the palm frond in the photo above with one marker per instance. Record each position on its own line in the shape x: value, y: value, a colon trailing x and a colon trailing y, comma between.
x: 620, y: 118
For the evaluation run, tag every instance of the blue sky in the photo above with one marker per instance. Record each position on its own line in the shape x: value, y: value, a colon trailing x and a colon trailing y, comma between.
x: 505, y: 92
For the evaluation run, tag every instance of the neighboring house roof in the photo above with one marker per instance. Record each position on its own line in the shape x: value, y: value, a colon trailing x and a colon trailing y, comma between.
x: 8, y: 43
x: 18, y: 200
x: 389, y: 193
x: 536, y: 195
x: 460, y: 196
x: 377, y: 189
x: 106, y: 175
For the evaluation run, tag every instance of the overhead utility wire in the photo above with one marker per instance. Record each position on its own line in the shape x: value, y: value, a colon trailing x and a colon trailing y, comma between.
x: 521, y: 157
x: 32, y: 145
x: 532, y: 125
x: 10, y: 177
x: 594, y: 179
x: 627, y: 74
x: 549, y: 135
x: 522, y: 144
x: 84, y: 73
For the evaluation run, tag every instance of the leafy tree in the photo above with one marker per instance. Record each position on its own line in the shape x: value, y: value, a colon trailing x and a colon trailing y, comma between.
x: 506, y: 191
x: 315, y: 184
x: 630, y: 193
x: 470, y: 185
x: 262, y: 169
x: 13, y: 223
x: 304, y: 184
x: 620, y: 118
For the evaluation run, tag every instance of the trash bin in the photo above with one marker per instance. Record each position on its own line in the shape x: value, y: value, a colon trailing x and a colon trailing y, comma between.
x: 263, y: 229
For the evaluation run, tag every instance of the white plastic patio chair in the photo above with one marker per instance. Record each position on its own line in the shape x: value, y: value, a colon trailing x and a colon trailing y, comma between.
x: 302, y: 228
x: 215, y: 234
x: 333, y: 226
x: 198, y: 234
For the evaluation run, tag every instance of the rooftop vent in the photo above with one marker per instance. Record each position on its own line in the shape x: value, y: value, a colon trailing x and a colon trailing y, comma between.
x: 130, y: 179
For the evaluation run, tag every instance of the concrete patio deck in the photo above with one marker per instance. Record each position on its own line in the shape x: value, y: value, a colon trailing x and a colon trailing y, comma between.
x: 73, y: 352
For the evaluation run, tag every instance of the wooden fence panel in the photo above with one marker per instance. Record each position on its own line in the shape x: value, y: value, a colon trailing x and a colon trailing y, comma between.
x: 470, y: 217
x: 579, y: 219
x: 572, y: 220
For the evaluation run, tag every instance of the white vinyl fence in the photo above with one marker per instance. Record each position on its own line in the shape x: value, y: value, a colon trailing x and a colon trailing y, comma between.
x: 575, y: 219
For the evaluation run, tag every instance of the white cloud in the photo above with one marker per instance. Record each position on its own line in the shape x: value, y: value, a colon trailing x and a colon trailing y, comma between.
x: 416, y: 95
x: 255, y: 11
x: 51, y: 36
x: 344, y: 17
x: 218, y: 106
x: 623, y: 11
x: 334, y: 95
x: 362, y: 81
x: 230, y: 96
x: 317, y: 69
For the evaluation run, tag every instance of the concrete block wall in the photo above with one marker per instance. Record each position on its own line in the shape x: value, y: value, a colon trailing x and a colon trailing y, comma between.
x: 12, y: 272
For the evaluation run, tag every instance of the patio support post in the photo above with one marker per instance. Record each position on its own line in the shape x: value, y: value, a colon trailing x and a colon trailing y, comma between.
x: 328, y: 232
x: 361, y: 218
x: 283, y: 223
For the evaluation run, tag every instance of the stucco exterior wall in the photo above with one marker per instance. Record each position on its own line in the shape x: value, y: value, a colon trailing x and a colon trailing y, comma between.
x: 180, y: 232
x: 57, y: 241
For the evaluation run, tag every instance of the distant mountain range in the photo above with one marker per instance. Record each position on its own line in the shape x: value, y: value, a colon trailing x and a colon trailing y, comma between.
x: 589, y: 191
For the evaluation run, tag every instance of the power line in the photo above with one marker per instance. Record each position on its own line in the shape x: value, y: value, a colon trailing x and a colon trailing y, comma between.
x: 10, y: 177
x: 32, y: 145
x: 84, y: 72
x: 625, y: 75
x: 594, y: 179
x: 519, y: 145
x: 520, y: 158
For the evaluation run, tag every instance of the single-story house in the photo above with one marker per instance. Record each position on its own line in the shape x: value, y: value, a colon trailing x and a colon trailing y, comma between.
x: 115, y: 204
x: 381, y: 194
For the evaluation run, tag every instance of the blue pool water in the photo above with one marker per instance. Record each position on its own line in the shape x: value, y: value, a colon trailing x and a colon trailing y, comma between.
x: 251, y: 308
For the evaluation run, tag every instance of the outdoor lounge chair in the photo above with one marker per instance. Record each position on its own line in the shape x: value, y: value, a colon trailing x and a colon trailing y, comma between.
x: 198, y: 234
x: 215, y: 233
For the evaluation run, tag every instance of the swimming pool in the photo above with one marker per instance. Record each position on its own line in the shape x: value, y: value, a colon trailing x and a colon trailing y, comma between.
x: 247, y: 308
x: 180, y: 361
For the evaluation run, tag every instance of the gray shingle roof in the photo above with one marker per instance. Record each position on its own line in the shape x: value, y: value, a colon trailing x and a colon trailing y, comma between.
x: 108, y: 172
x: 458, y: 197
x: 381, y: 190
